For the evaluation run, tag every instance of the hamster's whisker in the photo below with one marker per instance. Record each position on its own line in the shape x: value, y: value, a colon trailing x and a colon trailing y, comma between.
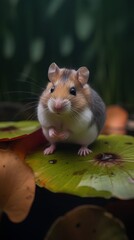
x: 25, y: 78
x: 26, y: 108
x: 75, y: 115
x: 45, y: 109
x: 25, y: 92
x: 29, y: 106
x: 32, y: 116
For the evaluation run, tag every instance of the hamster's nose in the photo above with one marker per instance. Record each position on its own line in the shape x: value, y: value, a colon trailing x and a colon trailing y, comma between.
x: 58, y: 105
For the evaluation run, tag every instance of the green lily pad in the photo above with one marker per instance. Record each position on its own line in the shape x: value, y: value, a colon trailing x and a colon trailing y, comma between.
x: 107, y: 172
x: 14, y: 130
x: 87, y: 222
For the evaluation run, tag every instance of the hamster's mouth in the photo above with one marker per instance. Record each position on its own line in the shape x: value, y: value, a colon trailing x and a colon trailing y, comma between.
x: 56, y: 112
x: 60, y: 113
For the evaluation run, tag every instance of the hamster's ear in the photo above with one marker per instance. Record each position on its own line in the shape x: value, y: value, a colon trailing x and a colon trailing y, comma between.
x: 83, y: 75
x: 53, y: 72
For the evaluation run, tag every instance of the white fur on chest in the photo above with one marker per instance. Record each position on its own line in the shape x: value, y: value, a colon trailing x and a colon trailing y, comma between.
x: 79, y: 126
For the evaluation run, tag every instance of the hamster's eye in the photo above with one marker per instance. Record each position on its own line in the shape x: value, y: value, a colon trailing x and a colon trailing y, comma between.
x: 73, y: 91
x: 52, y: 89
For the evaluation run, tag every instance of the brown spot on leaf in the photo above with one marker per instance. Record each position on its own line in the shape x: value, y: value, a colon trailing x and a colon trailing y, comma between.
x: 129, y: 143
x: 112, y: 174
x: 106, y: 142
x: 107, y: 158
x: 53, y: 161
x: 8, y: 129
x: 81, y: 172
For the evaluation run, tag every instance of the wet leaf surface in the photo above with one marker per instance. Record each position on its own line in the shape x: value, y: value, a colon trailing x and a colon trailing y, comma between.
x: 14, y: 130
x: 87, y: 222
x: 107, y: 172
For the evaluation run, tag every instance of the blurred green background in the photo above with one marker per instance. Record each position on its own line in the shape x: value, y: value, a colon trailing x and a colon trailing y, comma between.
x: 98, y: 34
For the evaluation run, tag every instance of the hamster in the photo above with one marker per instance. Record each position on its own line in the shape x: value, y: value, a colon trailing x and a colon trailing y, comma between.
x: 69, y: 110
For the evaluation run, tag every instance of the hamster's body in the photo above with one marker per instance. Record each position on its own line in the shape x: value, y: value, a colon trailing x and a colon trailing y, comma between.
x: 69, y: 110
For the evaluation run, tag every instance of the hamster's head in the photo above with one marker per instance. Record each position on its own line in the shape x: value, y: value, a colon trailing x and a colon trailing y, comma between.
x: 67, y: 92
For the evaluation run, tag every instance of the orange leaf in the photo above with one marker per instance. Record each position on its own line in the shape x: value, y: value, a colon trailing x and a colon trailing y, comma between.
x: 17, y: 186
x: 116, y: 120
x: 28, y: 143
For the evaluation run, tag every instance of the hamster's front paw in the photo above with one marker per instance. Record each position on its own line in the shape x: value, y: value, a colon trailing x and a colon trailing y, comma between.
x: 50, y: 149
x: 84, y: 150
x: 53, y: 134
x: 64, y: 135
x: 58, y: 136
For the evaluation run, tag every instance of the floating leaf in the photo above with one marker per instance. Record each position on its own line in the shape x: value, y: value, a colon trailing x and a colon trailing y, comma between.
x: 14, y: 130
x: 17, y: 186
x: 28, y: 143
x: 107, y: 172
x: 87, y: 222
x: 17, y: 182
